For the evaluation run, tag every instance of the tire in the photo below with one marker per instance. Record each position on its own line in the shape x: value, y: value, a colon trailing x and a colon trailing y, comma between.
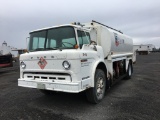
x: 46, y: 92
x: 97, y: 93
x: 129, y: 71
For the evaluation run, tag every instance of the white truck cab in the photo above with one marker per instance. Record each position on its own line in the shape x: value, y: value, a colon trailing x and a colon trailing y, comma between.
x: 74, y: 57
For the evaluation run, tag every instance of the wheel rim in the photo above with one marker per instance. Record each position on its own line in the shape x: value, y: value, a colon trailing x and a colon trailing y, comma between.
x: 100, y: 88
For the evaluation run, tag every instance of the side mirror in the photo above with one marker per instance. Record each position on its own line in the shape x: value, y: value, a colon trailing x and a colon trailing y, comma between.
x: 93, y: 43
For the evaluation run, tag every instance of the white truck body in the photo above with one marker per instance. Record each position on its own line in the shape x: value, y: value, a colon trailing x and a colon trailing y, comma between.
x: 106, y: 60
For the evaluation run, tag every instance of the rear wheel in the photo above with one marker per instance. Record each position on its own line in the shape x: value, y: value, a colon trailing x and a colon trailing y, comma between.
x: 129, y: 71
x: 96, y: 94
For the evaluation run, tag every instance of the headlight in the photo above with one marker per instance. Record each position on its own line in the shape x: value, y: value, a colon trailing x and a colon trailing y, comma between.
x: 23, y: 65
x: 66, y: 65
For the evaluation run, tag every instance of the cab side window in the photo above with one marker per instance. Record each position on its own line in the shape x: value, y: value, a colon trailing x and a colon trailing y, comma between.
x: 83, y: 38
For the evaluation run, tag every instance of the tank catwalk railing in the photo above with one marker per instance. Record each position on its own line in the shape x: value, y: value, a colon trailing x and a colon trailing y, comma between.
x: 108, y: 26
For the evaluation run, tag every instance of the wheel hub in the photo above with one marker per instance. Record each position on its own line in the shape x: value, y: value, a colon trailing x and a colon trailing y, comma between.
x: 100, y: 86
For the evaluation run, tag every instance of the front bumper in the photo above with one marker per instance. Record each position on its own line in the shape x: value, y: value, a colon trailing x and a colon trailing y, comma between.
x: 54, y: 86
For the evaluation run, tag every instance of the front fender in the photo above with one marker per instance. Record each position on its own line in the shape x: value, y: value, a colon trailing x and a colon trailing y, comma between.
x: 94, y: 70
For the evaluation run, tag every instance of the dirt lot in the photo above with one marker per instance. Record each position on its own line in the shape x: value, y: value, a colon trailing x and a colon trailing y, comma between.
x: 134, y: 99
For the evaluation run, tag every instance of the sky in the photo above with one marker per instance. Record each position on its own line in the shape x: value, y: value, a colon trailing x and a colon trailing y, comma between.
x: 139, y: 19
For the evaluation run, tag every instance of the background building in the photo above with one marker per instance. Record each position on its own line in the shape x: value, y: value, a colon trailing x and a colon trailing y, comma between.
x: 143, y: 49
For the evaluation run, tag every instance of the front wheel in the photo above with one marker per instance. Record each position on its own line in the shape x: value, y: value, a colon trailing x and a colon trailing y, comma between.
x: 96, y: 94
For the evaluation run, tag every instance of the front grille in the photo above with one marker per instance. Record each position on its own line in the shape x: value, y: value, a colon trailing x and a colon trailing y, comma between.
x: 46, y: 73
x: 47, y: 76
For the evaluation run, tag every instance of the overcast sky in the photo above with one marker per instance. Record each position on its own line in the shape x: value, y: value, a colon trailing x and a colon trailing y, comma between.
x: 139, y: 19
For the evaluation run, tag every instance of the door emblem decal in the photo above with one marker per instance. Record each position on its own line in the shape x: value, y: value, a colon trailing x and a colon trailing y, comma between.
x: 42, y: 63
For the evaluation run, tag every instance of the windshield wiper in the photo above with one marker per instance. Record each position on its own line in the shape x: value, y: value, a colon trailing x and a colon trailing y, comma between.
x: 54, y: 49
x: 37, y: 49
x: 51, y: 48
x: 42, y: 49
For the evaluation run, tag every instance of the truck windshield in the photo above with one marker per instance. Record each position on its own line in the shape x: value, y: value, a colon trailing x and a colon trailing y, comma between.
x: 51, y: 39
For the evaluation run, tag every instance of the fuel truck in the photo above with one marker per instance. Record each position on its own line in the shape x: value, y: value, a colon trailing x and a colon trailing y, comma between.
x: 76, y: 57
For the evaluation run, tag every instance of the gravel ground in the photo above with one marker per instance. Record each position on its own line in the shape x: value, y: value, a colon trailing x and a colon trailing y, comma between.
x: 134, y: 99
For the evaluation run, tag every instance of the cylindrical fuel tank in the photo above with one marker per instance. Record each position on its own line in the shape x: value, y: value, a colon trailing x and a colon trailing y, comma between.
x: 113, y: 41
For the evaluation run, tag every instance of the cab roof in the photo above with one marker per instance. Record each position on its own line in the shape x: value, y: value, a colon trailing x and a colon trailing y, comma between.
x: 65, y: 25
